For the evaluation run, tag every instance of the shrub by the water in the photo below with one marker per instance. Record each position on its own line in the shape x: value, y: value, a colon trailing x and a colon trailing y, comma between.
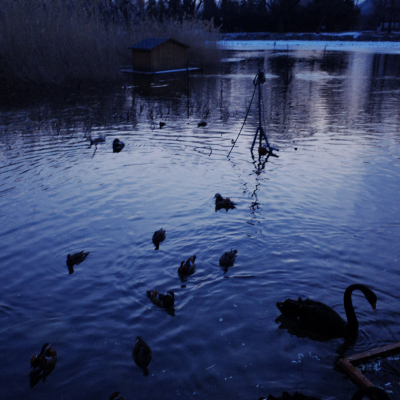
x: 59, y: 43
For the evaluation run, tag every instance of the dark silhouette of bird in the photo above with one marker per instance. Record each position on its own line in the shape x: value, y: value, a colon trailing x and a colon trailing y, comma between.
x: 161, y: 300
x: 220, y: 202
x: 75, y: 259
x: 187, y: 267
x: 142, y: 353
x: 201, y: 124
x: 162, y: 124
x: 319, y: 318
x: 42, y: 364
x: 228, y: 258
x: 158, y: 237
x: 118, y: 145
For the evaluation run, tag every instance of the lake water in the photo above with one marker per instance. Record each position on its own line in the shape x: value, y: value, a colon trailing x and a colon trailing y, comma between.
x: 308, y: 223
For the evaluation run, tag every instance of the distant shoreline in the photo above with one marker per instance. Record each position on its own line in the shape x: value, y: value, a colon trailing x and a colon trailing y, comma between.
x: 362, y: 36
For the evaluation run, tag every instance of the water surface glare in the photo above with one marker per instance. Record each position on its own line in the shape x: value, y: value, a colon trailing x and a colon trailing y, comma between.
x: 322, y: 216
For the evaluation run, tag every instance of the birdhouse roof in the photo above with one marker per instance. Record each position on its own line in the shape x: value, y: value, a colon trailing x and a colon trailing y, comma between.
x: 151, y: 43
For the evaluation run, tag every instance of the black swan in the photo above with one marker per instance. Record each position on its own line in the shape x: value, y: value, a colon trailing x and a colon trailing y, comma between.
x: 158, y: 237
x: 187, y: 267
x: 220, y: 202
x: 161, y: 300
x: 379, y: 394
x: 142, y: 353
x: 117, y: 146
x: 228, y: 258
x: 318, y: 317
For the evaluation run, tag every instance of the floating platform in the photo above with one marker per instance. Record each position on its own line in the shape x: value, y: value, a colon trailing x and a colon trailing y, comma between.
x: 129, y: 70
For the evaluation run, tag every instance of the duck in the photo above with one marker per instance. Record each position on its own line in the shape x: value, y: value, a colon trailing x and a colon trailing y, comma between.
x: 117, y: 146
x: 322, y: 319
x: 142, y: 353
x: 116, y: 396
x: 45, y: 361
x: 220, y: 202
x: 162, y: 300
x: 162, y: 124
x: 201, y: 124
x: 228, y: 258
x: 75, y: 259
x: 187, y: 267
x: 158, y: 237
x: 379, y: 394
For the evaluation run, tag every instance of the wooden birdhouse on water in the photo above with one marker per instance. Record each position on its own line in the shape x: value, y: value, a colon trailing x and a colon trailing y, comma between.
x: 157, y: 55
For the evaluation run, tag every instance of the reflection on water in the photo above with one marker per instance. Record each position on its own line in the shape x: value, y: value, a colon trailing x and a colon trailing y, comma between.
x: 321, y: 216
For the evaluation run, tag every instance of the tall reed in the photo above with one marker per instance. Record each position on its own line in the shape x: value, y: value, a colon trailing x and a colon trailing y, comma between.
x: 58, y: 43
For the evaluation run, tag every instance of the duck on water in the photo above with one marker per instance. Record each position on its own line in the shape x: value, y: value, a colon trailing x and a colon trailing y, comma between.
x: 322, y: 319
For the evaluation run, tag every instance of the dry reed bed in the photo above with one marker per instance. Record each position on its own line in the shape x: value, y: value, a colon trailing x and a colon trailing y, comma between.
x: 58, y: 43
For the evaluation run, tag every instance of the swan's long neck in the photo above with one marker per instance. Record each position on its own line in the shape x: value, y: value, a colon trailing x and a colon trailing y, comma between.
x: 352, y: 323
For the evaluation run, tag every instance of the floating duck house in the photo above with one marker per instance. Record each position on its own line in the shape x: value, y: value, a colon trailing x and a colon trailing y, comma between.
x: 159, y: 55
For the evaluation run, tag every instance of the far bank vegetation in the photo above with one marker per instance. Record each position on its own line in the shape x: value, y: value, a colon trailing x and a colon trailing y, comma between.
x: 56, y: 43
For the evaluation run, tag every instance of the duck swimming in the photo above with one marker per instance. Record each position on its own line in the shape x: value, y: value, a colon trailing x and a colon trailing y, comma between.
x: 117, y: 146
x: 45, y: 361
x: 220, y: 202
x: 142, y: 353
x: 322, y: 319
x: 158, y: 237
x: 187, y: 267
x: 162, y: 124
x: 161, y: 300
x: 201, y: 124
x: 228, y: 258
x: 75, y: 259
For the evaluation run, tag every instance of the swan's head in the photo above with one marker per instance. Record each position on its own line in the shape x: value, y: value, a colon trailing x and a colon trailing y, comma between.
x: 218, y: 197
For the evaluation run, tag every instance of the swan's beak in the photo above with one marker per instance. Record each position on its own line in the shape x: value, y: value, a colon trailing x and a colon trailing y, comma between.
x: 373, y: 306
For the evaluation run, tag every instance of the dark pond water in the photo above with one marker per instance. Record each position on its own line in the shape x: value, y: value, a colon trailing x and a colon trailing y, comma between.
x: 308, y: 223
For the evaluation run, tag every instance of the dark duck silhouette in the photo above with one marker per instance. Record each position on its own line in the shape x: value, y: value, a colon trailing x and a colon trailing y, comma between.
x: 187, y: 267
x: 75, y: 259
x: 201, y: 124
x: 42, y: 364
x: 220, y: 202
x: 322, y: 319
x: 378, y: 393
x: 142, y: 354
x: 161, y: 300
x: 228, y: 258
x: 117, y: 146
x: 162, y: 124
x: 158, y: 237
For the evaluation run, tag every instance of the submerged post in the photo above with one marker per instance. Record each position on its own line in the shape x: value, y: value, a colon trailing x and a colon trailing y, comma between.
x: 267, y: 149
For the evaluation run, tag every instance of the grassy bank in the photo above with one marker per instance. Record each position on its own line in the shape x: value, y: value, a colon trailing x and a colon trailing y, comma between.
x: 57, y: 43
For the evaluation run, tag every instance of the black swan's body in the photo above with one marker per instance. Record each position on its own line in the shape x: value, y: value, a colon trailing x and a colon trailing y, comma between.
x: 379, y: 394
x: 158, y: 237
x: 320, y: 318
x: 187, y: 267
x: 142, y: 353
x: 228, y: 258
x: 220, y: 202
x: 117, y: 146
